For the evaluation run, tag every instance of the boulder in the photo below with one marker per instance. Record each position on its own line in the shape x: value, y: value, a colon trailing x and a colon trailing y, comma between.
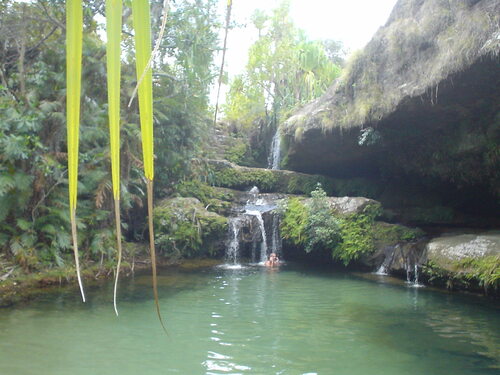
x: 185, y: 228
x: 351, y: 205
x: 448, y: 250
x: 464, y: 261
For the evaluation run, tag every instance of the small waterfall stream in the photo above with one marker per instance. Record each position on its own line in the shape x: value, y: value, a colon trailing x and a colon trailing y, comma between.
x: 263, y: 245
x: 275, y: 154
x: 233, y: 247
x: 401, y: 258
x: 276, y: 240
x: 247, y: 231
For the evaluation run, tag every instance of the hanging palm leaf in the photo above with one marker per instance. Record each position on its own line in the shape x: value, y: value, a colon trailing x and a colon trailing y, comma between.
x: 74, y: 31
x: 113, y: 31
x: 142, y: 28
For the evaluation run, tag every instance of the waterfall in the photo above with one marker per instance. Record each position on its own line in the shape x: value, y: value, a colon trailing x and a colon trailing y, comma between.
x: 382, y: 270
x: 263, y: 245
x: 408, y: 276
x: 273, y: 161
x: 247, y: 236
x: 276, y: 241
x: 233, y: 247
x: 388, y: 257
x: 409, y: 271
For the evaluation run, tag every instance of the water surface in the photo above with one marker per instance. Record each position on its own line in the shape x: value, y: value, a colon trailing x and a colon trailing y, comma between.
x: 254, y: 321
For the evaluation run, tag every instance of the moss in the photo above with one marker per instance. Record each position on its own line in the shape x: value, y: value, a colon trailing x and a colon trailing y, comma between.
x: 388, y: 234
x: 477, y: 274
x: 305, y: 184
x: 239, y: 178
x: 235, y: 177
x: 201, y: 191
x: 184, y: 228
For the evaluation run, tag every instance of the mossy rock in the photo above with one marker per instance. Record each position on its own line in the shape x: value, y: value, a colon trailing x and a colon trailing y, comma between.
x: 229, y: 175
x: 386, y: 234
x: 465, y: 261
x: 185, y: 228
x: 358, y: 235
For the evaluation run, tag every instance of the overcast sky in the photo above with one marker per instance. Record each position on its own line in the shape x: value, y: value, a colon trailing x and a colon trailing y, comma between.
x: 353, y: 22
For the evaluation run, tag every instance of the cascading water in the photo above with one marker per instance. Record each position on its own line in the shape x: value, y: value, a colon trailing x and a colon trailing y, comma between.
x: 250, y: 227
x: 263, y: 245
x: 409, y: 271
x: 233, y: 247
x: 276, y: 241
x: 388, y: 257
x: 275, y: 154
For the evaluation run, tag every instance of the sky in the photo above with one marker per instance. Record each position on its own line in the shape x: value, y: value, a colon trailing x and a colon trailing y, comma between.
x: 353, y: 22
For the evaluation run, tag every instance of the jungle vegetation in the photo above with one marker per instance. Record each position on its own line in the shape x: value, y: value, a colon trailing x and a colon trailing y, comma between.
x: 34, y: 213
x: 285, y: 70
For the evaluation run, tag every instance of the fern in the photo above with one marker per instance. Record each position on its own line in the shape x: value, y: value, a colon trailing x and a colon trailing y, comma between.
x: 7, y: 183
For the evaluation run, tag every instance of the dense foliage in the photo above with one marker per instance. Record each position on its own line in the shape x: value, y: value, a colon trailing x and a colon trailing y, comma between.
x: 184, y: 228
x: 34, y: 217
x: 313, y: 226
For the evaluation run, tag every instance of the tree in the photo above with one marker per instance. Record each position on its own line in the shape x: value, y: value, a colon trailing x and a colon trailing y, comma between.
x: 34, y: 218
x: 285, y: 69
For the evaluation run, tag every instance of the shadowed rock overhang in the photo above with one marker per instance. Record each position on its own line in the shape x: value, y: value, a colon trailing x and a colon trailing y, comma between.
x: 421, y: 102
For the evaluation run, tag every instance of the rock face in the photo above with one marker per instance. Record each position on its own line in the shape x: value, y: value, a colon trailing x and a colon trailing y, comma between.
x: 230, y: 175
x: 445, y: 251
x: 349, y: 205
x: 416, y: 112
x: 453, y: 260
x: 184, y: 227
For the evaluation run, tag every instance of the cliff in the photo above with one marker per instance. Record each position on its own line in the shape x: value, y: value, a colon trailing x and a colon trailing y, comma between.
x: 416, y: 112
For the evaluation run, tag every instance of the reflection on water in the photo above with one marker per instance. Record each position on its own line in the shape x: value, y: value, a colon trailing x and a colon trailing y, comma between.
x: 253, y: 320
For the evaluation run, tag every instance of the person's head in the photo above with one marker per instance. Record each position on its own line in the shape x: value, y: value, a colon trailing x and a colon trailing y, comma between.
x: 273, y: 256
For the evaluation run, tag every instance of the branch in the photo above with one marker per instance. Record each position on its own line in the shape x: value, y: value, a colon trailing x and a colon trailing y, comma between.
x: 45, y: 195
x: 52, y: 19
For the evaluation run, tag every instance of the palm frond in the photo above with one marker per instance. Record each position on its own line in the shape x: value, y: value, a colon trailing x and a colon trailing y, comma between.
x: 142, y: 27
x: 74, y: 36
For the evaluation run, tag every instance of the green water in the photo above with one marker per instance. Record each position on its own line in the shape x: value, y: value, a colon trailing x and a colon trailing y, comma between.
x: 254, y: 321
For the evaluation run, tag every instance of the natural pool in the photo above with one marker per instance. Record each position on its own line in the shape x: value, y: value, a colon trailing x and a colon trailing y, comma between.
x: 294, y: 320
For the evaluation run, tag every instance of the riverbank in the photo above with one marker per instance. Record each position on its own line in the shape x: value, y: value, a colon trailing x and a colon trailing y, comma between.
x: 23, y: 286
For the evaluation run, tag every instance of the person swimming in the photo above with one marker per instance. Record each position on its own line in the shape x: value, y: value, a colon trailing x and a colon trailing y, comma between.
x: 273, y: 260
